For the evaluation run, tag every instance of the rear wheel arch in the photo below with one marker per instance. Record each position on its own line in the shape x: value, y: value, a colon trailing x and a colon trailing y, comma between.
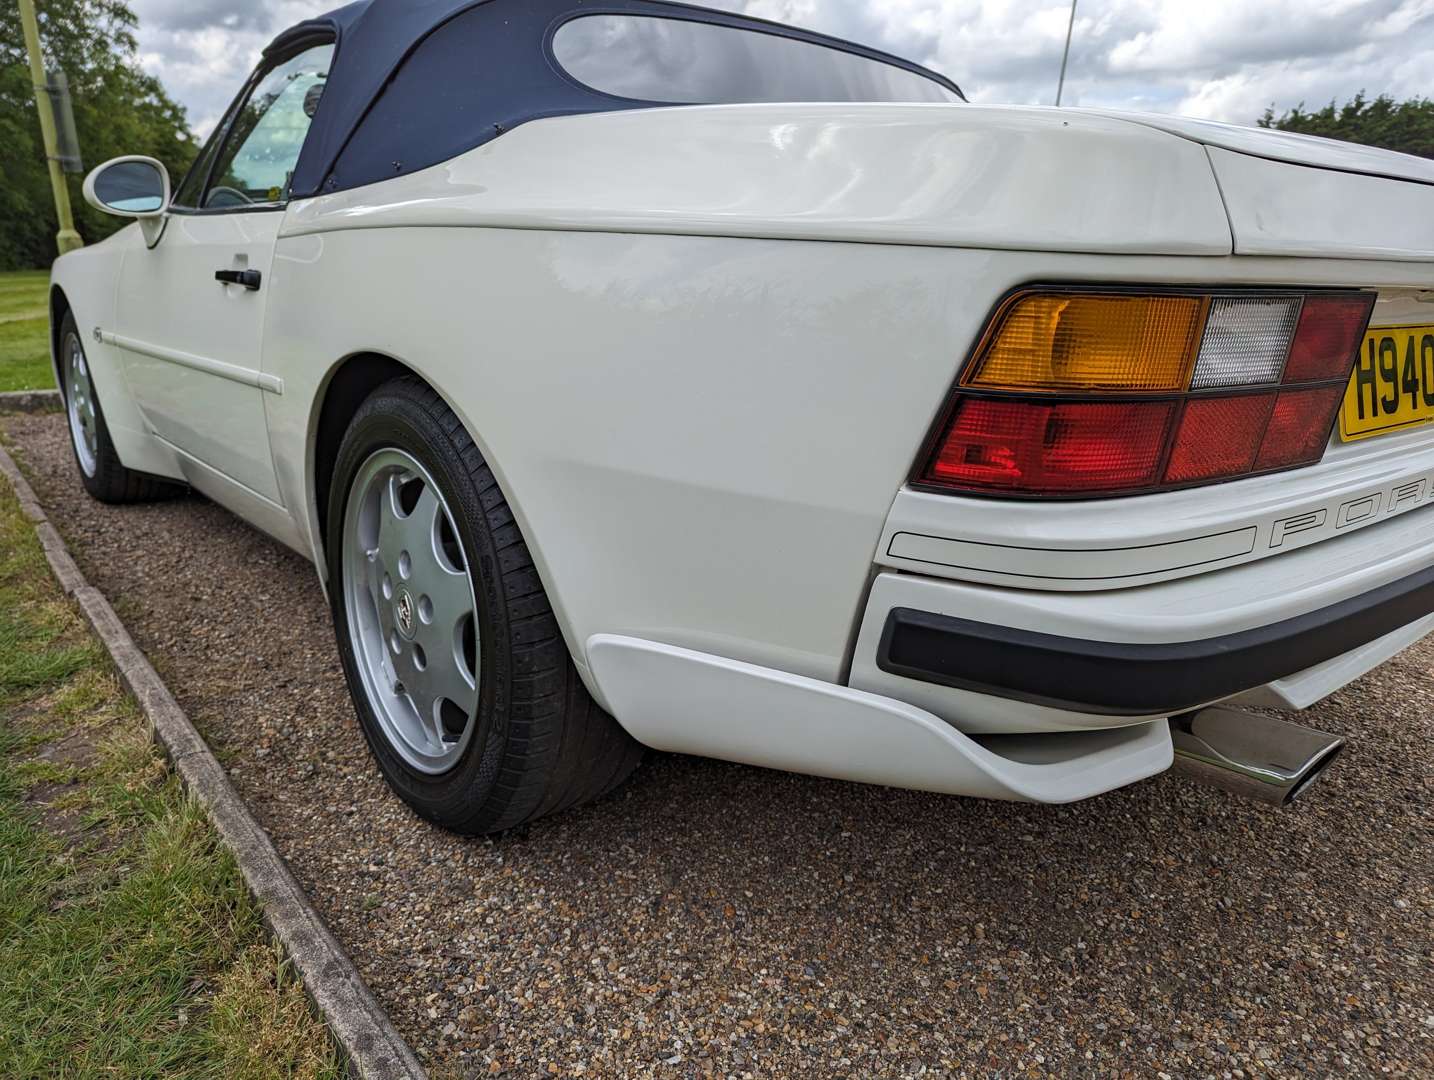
x: 546, y: 744
x: 350, y: 382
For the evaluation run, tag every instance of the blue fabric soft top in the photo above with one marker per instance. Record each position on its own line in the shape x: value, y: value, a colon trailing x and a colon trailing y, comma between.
x: 416, y: 82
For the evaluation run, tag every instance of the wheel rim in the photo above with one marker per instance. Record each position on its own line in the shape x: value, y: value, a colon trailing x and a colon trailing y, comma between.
x: 412, y: 619
x: 80, y: 405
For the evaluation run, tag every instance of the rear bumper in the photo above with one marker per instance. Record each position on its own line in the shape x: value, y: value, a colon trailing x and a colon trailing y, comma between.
x: 1282, y: 631
x: 1107, y: 678
x: 1008, y: 693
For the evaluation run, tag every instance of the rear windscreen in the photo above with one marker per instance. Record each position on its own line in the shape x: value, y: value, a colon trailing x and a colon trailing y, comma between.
x: 677, y: 61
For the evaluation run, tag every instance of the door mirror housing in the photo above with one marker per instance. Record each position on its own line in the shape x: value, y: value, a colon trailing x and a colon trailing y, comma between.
x: 131, y: 187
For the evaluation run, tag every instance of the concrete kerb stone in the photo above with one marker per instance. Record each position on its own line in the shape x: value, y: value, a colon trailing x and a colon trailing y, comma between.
x: 31, y: 401
x: 29, y: 505
x: 58, y: 556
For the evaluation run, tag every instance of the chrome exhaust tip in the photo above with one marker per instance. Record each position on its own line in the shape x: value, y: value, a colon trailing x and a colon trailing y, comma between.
x: 1271, y: 761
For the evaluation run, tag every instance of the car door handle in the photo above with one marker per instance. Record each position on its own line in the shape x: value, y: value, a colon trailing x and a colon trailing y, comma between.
x: 250, y: 279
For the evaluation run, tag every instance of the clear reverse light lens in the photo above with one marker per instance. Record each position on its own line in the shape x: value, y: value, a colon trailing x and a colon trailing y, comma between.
x: 1246, y: 339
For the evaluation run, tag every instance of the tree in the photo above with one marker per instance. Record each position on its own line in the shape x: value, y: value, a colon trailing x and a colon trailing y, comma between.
x: 119, y: 109
x: 1407, y: 126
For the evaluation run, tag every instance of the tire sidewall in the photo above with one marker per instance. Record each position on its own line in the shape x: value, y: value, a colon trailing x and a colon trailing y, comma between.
x: 393, y: 418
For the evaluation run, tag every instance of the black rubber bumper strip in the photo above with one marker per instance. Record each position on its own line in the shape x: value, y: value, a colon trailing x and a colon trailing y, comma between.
x: 1131, y: 679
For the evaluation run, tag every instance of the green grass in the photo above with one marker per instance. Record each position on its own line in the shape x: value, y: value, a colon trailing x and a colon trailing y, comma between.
x: 129, y: 946
x: 22, y: 294
x: 24, y: 331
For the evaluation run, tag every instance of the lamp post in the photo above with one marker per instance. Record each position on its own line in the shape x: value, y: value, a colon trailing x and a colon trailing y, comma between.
x: 1065, y: 56
x: 67, y: 239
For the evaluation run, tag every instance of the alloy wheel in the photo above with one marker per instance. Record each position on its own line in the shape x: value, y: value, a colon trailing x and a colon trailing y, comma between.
x: 80, y: 406
x: 412, y: 618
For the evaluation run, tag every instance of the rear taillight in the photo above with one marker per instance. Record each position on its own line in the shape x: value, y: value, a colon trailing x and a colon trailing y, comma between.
x: 1104, y: 393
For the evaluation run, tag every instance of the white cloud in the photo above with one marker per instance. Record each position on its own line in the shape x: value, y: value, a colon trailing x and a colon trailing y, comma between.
x: 202, y: 50
x: 1221, y: 59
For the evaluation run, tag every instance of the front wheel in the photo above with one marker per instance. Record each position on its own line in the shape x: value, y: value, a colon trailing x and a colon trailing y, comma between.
x: 460, y: 677
x: 95, y: 456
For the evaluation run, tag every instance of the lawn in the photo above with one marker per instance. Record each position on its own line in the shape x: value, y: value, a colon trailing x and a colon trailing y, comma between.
x: 24, y: 340
x: 129, y: 946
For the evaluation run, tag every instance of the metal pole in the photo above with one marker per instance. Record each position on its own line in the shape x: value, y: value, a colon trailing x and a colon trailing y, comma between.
x: 67, y: 239
x: 1065, y: 56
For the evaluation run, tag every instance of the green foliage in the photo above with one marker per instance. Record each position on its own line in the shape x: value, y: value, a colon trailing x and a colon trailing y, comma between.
x: 1406, y: 126
x: 119, y: 109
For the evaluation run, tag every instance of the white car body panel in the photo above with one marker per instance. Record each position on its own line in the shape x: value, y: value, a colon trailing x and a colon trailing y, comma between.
x: 673, y: 476
x: 703, y: 383
x: 1282, y: 209
x: 693, y: 703
x: 1287, y: 146
x: 1003, y: 177
x: 193, y: 362
x: 88, y: 279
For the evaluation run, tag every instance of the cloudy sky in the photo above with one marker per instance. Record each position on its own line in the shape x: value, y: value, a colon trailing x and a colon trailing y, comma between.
x: 1221, y: 59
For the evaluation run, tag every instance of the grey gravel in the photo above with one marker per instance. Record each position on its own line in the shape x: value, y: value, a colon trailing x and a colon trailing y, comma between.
x: 713, y: 919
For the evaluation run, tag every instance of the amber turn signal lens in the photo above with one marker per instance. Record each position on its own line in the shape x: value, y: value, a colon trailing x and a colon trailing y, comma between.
x: 1090, y: 341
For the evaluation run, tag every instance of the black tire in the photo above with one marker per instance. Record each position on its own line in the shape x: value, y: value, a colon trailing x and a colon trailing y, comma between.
x: 110, y: 481
x: 540, y: 744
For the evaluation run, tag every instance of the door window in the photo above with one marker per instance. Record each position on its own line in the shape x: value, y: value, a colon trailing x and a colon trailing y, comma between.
x: 261, y: 147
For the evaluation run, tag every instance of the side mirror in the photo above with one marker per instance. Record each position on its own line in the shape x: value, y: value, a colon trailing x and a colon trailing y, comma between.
x: 131, y: 187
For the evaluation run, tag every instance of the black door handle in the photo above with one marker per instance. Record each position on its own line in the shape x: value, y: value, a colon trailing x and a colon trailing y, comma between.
x: 250, y: 279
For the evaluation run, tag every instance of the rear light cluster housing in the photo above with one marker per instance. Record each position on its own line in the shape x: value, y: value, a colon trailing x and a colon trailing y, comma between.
x: 1086, y: 392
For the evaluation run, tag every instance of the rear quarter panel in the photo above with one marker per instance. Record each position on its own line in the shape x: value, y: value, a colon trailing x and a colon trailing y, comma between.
x: 700, y: 437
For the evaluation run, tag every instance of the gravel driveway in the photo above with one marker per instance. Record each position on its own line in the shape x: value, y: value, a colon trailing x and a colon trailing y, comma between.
x: 717, y: 919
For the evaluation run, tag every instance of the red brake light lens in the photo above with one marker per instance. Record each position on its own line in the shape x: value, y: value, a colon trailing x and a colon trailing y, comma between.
x: 1218, y: 437
x: 1066, y: 446
x: 1328, y: 336
x: 1260, y: 385
x: 1299, y: 428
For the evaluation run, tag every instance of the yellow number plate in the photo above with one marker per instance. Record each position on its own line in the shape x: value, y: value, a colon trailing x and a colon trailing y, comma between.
x: 1392, y: 386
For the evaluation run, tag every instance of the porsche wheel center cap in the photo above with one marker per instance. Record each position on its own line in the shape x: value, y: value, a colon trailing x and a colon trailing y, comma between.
x: 403, y: 608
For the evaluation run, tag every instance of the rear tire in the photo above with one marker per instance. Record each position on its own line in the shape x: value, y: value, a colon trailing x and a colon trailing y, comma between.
x: 421, y: 543
x: 100, y: 470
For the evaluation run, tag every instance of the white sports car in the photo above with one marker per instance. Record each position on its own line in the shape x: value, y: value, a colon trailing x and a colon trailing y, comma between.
x: 642, y: 375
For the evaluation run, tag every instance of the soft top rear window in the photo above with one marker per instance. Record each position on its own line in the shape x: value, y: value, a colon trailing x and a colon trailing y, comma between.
x: 683, y: 62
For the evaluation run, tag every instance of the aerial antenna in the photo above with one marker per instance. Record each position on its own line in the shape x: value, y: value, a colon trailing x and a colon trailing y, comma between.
x: 1065, y: 56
